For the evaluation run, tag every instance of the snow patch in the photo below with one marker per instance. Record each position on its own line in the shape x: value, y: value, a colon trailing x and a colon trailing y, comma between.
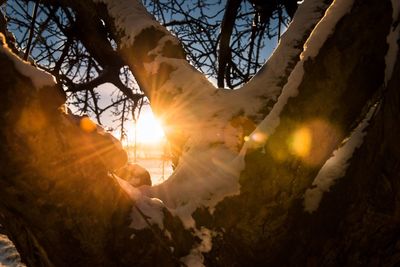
x: 325, y: 27
x: 205, y: 174
x: 267, y: 127
x: 336, y: 166
x: 204, y: 111
x: 203, y: 178
x: 146, y: 210
x: 311, y: 48
x: 265, y: 84
x: 307, y: 15
x: 197, y: 85
x: 39, y: 78
x: 9, y: 256
x: 195, y: 257
x: 131, y: 17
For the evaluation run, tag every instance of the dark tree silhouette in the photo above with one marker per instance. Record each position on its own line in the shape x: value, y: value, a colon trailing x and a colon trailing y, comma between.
x: 325, y: 104
x: 62, y: 41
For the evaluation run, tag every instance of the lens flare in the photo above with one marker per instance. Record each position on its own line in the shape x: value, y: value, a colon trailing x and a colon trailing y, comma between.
x: 302, y: 141
x: 314, y: 141
x: 259, y: 137
x: 87, y: 125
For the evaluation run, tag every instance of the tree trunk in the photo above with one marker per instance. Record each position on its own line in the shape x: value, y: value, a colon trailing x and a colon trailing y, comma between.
x: 59, y: 204
x: 62, y: 205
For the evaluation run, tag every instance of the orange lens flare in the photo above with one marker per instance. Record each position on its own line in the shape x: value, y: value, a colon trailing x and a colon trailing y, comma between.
x: 302, y: 141
x: 314, y: 141
x: 87, y: 125
x: 259, y: 137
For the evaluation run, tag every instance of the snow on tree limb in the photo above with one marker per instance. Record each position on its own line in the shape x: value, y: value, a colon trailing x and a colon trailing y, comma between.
x: 205, y: 177
x: 161, y: 54
x: 267, y: 83
x: 312, y: 46
x: 39, y: 78
x: 70, y: 196
x: 179, y: 94
x: 147, y: 211
x: 336, y: 166
x: 201, y: 180
x: 131, y: 17
x: 8, y: 254
x: 195, y: 183
x: 191, y: 107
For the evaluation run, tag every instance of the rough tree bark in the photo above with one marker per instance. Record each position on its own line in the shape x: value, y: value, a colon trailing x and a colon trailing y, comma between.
x: 62, y: 206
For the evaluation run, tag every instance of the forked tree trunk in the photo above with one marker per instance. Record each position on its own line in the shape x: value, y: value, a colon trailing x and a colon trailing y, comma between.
x: 61, y: 205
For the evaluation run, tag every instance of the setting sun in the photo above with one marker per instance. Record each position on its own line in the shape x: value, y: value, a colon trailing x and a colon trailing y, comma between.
x: 149, y: 129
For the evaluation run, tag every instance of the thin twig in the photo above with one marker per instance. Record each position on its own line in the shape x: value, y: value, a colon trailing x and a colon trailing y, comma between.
x: 31, y: 30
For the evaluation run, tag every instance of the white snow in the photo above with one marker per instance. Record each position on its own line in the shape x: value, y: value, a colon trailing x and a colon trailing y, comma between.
x: 195, y: 257
x: 265, y: 84
x: 192, y: 87
x: 131, y: 17
x: 267, y: 127
x: 9, y: 256
x: 325, y: 27
x: 311, y: 48
x: 209, y: 168
x: 211, y: 164
x: 202, y: 179
x: 151, y: 208
x: 192, y: 100
x: 392, y: 39
x: 39, y: 77
x: 196, y: 108
x: 336, y: 166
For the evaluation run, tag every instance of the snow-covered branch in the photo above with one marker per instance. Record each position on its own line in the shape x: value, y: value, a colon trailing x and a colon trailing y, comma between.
x: 155, y: 56
x: 265, y: 87
x: 181, y: 96
x: 38, y: 77
x: 312, y: 47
